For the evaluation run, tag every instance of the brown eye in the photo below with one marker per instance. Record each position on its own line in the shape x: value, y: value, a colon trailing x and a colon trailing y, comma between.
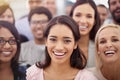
x: 2, y: 41
x: 12, y: 42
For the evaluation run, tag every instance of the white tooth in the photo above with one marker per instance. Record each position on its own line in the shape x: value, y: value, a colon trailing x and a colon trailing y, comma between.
x: 109, y: 52
x: 59, y: 54
x: 82, y: 27
x: 6, y: 53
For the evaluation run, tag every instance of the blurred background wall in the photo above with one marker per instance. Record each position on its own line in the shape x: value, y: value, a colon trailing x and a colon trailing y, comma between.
x: 20, y: 6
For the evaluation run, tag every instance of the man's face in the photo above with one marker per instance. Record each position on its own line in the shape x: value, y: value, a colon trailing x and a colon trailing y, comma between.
x: 114, y: 6
x: 103, y: 13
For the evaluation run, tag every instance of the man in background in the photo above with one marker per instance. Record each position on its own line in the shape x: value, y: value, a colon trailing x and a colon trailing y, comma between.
x: 22, y: 24
x: 114, y: 7
x: 103, y: 12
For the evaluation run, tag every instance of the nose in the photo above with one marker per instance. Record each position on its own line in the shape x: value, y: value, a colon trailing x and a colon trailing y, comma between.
x: 59, y: 46
x: 82, y: 20
x: 7, y: 45
x: 109, y: 44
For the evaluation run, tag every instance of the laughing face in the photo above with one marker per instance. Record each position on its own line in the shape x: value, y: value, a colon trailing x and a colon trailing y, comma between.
x: 60, y: 44
x: 84, y: 18
x: 7, y: 50
x: 109, y: 45
x: 115, y: 10
x: 38, y: 24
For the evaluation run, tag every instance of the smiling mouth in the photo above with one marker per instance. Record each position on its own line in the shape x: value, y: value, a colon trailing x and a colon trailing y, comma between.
x: 111, y: 52
x: 59, y: 55
x: 6, y: 53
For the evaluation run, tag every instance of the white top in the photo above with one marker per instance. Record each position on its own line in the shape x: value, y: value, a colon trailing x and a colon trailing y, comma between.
x: 31, y: 53
x: 97, y: 73
x: 91, y: 55
x: 35, y: 73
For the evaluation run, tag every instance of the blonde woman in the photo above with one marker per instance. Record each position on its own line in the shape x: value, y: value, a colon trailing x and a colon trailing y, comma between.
x: 107, y: 43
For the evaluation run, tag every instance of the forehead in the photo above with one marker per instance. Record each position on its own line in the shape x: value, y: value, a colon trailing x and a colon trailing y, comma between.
x: 61, y: 30
x: 4, y: 32
x: 39, y: 16
x: 84, y: 8
x: 110, y: 1
x: 111, y: 31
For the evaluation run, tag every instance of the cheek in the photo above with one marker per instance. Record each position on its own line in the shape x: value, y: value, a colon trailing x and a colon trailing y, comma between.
x: 15, y: 48
x: 100, y: 48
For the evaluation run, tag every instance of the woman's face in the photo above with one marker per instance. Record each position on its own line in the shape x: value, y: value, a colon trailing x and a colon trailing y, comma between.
x: 8, y: 45
x: 109, y: 45
x: 7, y: 16
x: 84, y: 15
x: 60, y: 44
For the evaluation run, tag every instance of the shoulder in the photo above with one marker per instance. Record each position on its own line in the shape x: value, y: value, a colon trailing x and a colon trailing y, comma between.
x: 85, y: 75
x: 33, y: 72
x: 97, y: 73
x: 28, y: 43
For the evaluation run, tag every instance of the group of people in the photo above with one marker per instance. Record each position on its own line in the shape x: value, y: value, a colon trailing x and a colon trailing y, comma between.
x: 65, y: 47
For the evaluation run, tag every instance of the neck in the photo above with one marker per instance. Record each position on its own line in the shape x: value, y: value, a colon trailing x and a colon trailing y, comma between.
x: 111, y: 72
x: 40, y: 41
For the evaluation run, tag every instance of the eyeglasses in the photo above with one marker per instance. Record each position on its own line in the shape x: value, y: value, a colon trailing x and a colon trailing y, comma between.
x: 11, y: 41
x: 39, y: 22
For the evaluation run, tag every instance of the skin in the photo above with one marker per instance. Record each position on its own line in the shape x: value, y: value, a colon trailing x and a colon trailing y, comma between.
x: 103, y: 13
x: 50, y: 5
x: 109, y: 43
x: 60, y: 44
x: 7, y: 16
x: 7, y: 52
x: 34, y: 3
x: 115, y: 10
x: 85, y: 20
x: 60, y: 48
x: 37, y: 29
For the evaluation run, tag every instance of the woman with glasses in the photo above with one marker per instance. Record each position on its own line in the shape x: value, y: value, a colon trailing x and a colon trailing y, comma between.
x: 9, y: 52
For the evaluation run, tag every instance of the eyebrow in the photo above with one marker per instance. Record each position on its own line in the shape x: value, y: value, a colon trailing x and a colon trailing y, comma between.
x: 63, y: 37
x: 9, y: 37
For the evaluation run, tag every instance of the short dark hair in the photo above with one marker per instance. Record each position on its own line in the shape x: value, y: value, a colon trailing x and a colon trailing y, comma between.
x: 77, y: 59
x: 40, y: 10
x: 14, y: 32
x: 97, y: 18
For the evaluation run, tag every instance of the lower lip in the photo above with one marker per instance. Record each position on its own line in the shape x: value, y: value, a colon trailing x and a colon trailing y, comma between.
x: 109, y: 55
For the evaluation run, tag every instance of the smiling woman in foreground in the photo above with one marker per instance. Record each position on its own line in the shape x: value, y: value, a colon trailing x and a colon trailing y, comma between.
x: 64, y: 60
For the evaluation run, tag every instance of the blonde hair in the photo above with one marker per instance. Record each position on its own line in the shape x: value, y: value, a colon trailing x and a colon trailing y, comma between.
x: 98, y: 61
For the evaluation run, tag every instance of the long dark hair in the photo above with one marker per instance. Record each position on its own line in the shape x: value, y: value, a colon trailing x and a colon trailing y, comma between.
x: 77, y: 59
x: 97, y: 18
x: 14, y: 61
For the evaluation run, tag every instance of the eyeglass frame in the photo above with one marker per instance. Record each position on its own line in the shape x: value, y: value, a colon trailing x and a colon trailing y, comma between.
x: 5, y: 41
